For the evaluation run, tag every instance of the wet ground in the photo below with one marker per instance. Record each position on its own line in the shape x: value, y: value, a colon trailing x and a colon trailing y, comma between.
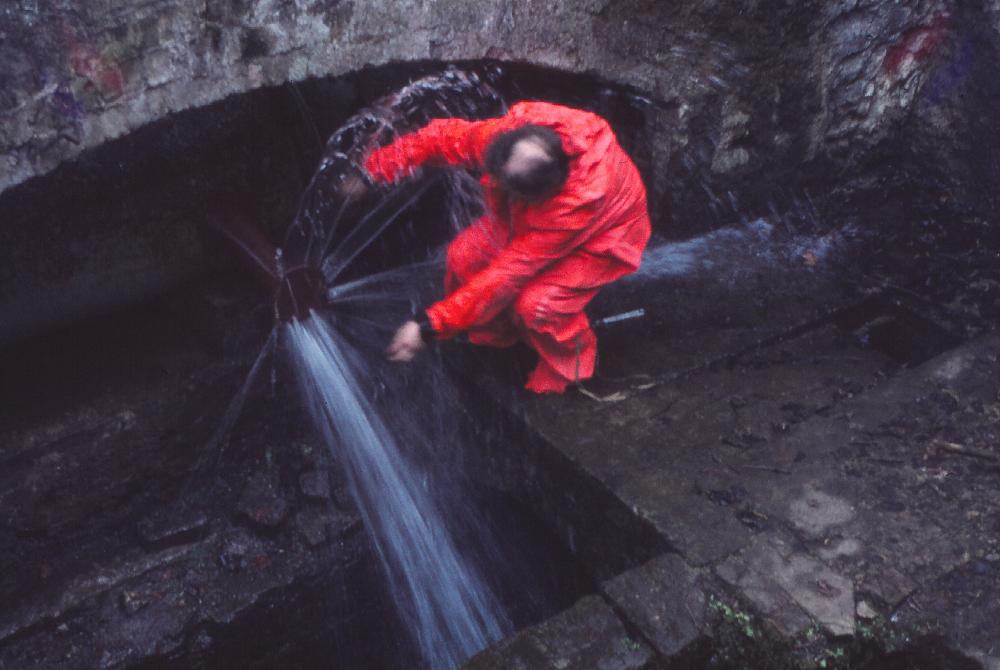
x: 124, y: 546
x: 821, y: 467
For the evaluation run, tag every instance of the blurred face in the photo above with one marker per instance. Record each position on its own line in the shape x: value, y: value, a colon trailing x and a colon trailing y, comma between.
x: 525, y: 155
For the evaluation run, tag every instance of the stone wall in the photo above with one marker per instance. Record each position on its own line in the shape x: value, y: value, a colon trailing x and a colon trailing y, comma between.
x: 824, y: 73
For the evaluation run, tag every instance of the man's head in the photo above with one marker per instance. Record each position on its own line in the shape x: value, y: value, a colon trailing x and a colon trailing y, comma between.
x: 528, y: 162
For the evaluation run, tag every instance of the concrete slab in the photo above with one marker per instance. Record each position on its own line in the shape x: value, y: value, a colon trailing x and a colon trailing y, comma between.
x: 665, y: 600
x: 673, y: 505
x: 784, y: 582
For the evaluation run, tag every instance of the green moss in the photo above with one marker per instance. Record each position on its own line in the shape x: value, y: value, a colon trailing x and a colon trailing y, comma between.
x: 628, y: 644
x: 741, y: 640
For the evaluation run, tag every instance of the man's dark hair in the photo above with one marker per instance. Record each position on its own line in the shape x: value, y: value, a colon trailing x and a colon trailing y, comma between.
x: 543, y: 178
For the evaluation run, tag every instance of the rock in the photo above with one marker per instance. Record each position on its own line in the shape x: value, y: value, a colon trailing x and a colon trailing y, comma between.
x: 116, y: 657
x: 173, y: 526
x: 312, y: 524
x: 342, y: 524
x: 315, y: 485
x: 865, y: 611
x: 235, y: 551
x: 262, y: 501
x: 202, y: 640
x: 133, y: 601
x: 963, y: 608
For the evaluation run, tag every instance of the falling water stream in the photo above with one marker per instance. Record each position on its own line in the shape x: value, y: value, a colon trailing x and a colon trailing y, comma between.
x: 452, y: 610
x: 444, y: 600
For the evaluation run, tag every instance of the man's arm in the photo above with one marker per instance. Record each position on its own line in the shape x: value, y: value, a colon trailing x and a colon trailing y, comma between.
x: 441, y: 142
x: 485, y: 295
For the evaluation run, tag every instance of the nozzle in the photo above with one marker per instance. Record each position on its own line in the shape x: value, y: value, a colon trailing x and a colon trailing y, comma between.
x: 301, y: 290
x: 295, y: 291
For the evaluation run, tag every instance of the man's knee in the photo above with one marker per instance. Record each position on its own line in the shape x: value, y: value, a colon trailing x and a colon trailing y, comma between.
x: 535, y: 307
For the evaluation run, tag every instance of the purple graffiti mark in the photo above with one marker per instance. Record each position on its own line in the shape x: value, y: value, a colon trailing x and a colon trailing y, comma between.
x: 917, y: 44
x: 944, y: 81
x: 43, y: 76
x: 65, y: 103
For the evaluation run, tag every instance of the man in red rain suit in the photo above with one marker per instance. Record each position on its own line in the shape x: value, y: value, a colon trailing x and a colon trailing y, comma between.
x: 565, y: 214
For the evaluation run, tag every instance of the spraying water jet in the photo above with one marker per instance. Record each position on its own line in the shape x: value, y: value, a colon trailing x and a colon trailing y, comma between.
x: 360, y: 412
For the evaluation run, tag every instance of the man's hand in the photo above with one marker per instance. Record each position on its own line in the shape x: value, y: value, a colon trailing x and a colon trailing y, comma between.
x: 406, y: 343
x: 353, y: 187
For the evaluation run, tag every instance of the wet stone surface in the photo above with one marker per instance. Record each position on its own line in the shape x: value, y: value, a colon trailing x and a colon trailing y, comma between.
x: 665, y: 599
x: 173, y: 526
x: 791, y: 588
x: 810, y: 480
x: 315, y: 485
x: 961, y: 605
x: 587, y: 635
x: 262, y: 500
x: 127, y: 542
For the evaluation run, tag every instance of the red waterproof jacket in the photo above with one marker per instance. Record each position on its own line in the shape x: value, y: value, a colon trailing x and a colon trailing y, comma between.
x: 601, y: 209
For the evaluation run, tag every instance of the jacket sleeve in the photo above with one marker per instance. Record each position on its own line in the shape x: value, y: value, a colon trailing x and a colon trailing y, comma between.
x: 549, y: 236
x: 441, y: 142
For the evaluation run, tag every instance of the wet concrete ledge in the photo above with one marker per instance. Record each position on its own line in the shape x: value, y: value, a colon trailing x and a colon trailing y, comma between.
x: 819, y: 498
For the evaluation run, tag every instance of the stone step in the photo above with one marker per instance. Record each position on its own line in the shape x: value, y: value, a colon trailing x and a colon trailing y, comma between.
x: 587, y: 635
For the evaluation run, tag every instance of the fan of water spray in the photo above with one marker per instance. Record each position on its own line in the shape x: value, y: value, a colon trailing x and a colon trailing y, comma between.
x: 378, y: 424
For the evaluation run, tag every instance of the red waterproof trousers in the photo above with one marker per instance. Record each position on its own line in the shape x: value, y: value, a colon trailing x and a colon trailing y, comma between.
x: 526, y: 271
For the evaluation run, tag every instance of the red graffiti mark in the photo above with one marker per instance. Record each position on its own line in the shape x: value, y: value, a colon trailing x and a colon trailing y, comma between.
x: 918, y: 43
x: 102, y: 73
x: 107, y: 77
